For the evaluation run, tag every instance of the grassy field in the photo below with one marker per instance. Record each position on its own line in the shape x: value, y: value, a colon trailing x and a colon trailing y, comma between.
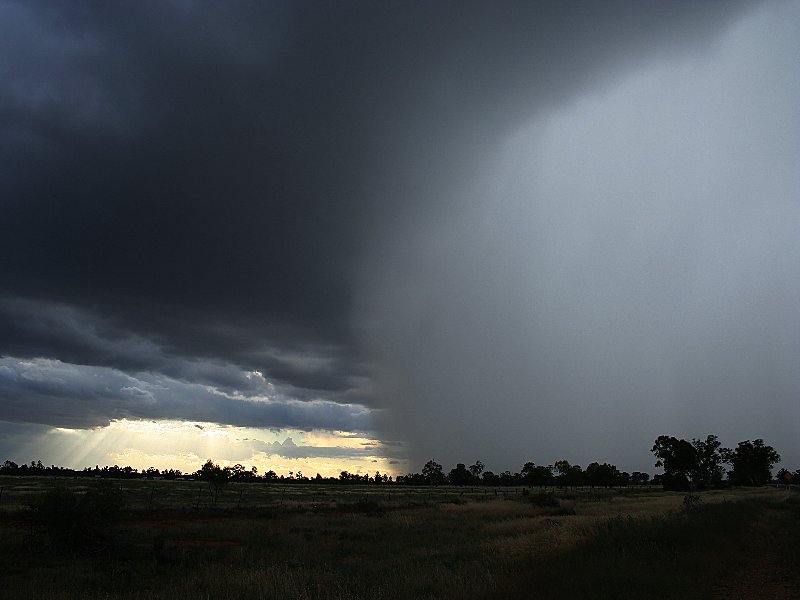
x: 392, y: 542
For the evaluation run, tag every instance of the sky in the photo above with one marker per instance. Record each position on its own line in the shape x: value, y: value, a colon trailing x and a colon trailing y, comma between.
x: 317, y: 236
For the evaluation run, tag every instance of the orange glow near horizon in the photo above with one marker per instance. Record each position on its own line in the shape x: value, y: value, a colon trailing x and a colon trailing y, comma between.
x: 186, y: 445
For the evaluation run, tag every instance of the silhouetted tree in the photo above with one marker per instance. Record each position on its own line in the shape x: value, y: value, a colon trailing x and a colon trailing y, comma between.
x: 509, y: 478
x: 603, y: 475
x: 412, y: 479
x: 460, y: 475
x: 490, y: 478
x: 678, y: 457
x: 476, y: 469
x: 709, y: 458
x: 215, y: 476
x: 526, y: 473
x: 752, y: 463
x: 432, y: 472
x: 569, y: 475
x: 9, y: 467
x: 536, y: 475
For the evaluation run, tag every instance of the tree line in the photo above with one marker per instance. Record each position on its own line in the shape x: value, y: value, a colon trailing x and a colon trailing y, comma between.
x: 701, y: 463
x: 698, y: 464
x: 561, y: 473
x: 209, y: 471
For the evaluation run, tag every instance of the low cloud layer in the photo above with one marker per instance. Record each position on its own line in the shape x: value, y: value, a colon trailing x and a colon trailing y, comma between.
x: 68, y: 395
x: 288, y: 449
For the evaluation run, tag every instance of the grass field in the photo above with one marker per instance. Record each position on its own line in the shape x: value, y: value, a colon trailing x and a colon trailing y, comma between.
x: 392, y: 542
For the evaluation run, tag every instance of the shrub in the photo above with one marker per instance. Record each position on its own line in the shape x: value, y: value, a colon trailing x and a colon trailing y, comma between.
x: 59, y: 512
x: 691, y: 502
x: 544, y: 500
x: 73, y: 521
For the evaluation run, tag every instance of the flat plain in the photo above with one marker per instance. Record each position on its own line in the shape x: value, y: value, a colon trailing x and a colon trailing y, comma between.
x: 91, y: 538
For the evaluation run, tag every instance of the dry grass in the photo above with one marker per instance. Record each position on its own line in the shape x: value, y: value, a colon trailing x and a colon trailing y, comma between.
x: 347, y: 543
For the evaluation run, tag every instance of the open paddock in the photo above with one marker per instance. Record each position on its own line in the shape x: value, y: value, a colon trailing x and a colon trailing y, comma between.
x: 392, y: 542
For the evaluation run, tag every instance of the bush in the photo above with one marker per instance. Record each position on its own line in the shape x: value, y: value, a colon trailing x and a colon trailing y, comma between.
x: 544, y: 500
x: 691, y: 502
x: 365, y: 505
x: 60, y: 513
x: 72, y: 520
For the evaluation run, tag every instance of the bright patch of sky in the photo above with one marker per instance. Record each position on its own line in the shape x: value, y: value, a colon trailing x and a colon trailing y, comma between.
x: 187, y: 445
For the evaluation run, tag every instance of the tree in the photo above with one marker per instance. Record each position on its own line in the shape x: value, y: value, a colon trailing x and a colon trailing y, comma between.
x: 460, y: 475
x: 476, y: 469
x: 678, y: 457
x: 236, y: 471
x: 432, y: 472
x: 527, y: 473
x: 752, y: 463
x: 537, y: 475
x: 709, y: 458
x: 568, y: 475
x: 509, y: 478
x: 215, y: 476
x: 9, y: 468
x: 490, y: 478
x: 603, y: 475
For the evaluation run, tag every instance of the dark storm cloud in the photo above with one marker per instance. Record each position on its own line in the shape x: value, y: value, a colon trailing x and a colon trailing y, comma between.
x: 625, y: 264
x: 38, y: 328
x: 218, y: 162
x: 67, y: 395
x: 196, y: 192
